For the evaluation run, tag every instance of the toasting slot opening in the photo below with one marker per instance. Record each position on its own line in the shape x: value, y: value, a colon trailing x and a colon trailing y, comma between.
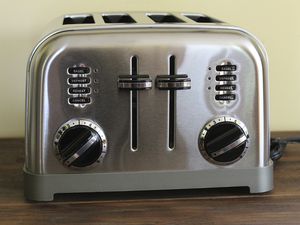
x: 202, y: 18
x: 164, y: 18
x: 78, y: 19
x: 134, y: 105
x: 118, y: 18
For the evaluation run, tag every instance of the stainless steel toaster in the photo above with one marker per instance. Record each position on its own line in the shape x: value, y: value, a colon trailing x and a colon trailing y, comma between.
x: 146, y: 101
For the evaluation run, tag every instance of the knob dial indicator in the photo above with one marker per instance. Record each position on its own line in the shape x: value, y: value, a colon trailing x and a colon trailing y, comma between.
x: 224, y: 140
x: 80, y: 143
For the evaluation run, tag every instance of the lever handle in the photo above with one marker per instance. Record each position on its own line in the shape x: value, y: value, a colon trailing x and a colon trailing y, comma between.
x: 134, y: 82
x: 173, y: 82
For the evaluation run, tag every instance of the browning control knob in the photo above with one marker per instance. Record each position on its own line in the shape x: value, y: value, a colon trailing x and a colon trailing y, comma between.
x: 223, y: 140
x: 80, y: 143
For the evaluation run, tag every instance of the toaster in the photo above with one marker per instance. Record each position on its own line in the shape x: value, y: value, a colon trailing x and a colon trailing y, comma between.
x: 137, y: 101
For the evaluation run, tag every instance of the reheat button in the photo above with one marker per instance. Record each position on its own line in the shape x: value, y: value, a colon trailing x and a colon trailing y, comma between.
x: 79, y: 90
x: 79, y: 80
x: 79, y: 100
x: 79, y: 70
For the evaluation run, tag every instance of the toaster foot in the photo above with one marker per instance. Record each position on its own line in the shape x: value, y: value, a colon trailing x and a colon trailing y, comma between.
x: 42, y: 187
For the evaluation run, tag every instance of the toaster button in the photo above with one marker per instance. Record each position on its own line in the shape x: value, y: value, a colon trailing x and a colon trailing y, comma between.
x: 79, y: 70
x: 79, y: 80
x: 225, y: 97
x: 227, y: 67
x: 79, y: 100
x: 225, y: 87
x: 79, y: 90
x: 226, y: 77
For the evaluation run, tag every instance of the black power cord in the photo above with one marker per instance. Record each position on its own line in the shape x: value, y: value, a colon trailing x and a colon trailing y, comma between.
x: 279, y: 144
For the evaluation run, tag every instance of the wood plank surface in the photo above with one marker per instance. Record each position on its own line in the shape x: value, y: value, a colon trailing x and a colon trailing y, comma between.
x: 207, y: 206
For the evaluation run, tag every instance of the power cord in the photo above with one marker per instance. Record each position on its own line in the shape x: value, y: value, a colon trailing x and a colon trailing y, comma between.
x: 279, y: 144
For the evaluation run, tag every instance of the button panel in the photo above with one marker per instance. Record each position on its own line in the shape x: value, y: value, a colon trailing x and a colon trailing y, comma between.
x: 226, y: 82
x: 79, y: 85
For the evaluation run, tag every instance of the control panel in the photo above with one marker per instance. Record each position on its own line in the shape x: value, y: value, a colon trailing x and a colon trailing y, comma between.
x: 226, y: 79
x: 79, y: 85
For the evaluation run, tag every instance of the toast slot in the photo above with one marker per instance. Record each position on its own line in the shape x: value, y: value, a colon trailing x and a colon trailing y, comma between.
x: 134, y: 106
x: 118, y: 18
x: 164, y: 18
x: 78, y: 19
x: 201, y: 18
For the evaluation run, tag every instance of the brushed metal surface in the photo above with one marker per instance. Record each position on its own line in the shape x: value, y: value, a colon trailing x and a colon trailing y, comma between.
x: 107, y: 51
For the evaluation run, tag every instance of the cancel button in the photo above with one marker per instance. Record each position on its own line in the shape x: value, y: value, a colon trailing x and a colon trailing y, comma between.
x: 79, y: 100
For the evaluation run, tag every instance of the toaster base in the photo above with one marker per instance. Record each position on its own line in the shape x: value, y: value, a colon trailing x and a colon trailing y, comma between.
x: 42, y: 187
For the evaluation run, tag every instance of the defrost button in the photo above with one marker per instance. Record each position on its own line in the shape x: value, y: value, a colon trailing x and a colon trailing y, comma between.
x: 79, y: 80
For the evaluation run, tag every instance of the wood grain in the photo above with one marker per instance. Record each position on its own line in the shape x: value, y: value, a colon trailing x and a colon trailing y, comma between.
x: 207, y: 206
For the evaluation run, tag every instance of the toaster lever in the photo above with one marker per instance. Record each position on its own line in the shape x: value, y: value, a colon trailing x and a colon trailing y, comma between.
x: 173, y: 82
x: 134, y: 82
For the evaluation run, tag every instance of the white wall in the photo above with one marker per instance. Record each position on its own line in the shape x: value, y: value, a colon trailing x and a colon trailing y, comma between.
x: 276, y: 23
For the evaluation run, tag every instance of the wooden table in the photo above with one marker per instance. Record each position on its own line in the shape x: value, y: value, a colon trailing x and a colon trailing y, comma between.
x: 210, y: 206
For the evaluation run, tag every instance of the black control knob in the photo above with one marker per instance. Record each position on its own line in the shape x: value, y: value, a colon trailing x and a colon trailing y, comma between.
x: 223, y: 140
x: 80, y: 143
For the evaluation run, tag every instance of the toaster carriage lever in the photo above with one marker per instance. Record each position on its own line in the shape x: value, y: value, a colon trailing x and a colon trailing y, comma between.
x: 134, y: 82
x: 173, y: 82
